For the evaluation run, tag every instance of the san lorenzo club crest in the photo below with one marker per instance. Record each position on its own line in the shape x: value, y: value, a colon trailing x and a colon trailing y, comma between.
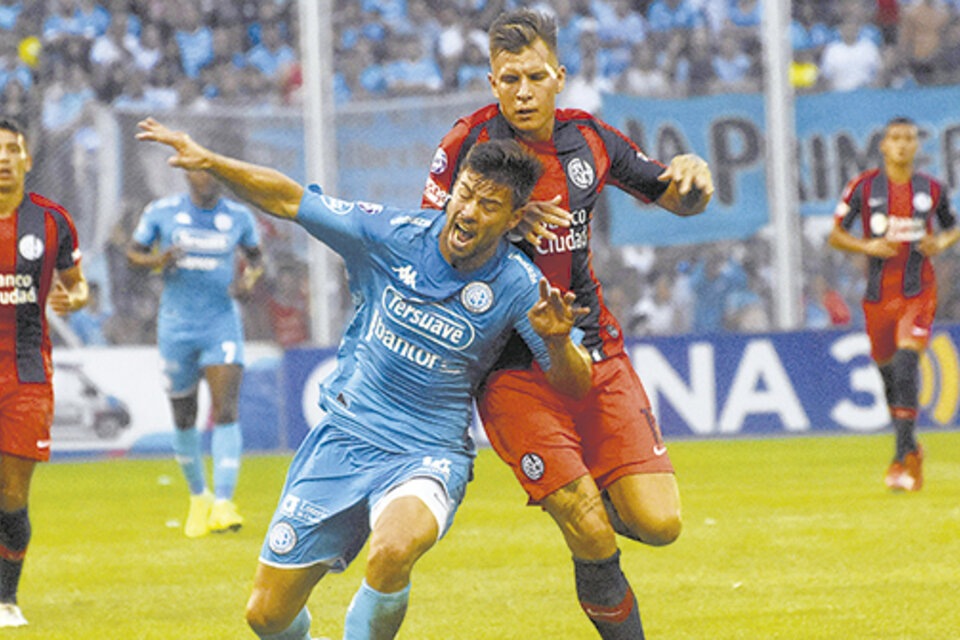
x: 31, y: 247
x: 580, y: 173
x: 477, y: 297
x: 532, y: 466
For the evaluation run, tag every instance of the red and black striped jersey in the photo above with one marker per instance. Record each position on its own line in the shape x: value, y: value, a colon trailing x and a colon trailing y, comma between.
x: 903, y: 213
x: 584, y: 155
x: 38, y: 239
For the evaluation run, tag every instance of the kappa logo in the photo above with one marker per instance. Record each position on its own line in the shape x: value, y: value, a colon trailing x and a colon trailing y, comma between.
x: 182, y: 217
x: 532, y: 466
x: 407, y: 275
x: 477, y: 297
x: 31, y: 247
x: 580, y: 173
x: 282, y: 538
x: 875, y: 202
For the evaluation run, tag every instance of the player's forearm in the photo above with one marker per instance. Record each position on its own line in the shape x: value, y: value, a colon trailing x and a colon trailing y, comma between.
x: 570, y: 368
x: 843, y: 240
x: 691, y: 203
x: 267, y: 189
x: 948, y: 238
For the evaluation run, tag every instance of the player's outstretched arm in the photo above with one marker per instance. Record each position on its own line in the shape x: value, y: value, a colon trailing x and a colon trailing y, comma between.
x: 552, y: 317
x: 263, y: 187
x: 691, y: 185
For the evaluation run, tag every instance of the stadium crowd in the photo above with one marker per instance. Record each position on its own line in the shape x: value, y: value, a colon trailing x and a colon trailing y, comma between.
x: 60, y: 60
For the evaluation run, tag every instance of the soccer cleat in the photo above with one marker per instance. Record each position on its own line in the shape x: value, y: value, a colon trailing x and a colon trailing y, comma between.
x: 913, y: 469
x: 894, y: 475
x: 10, y: 615
x: 199, y: 515
x: 224, y: 517
x: 615, y: 520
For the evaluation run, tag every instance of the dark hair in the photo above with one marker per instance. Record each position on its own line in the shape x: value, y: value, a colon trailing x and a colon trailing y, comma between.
x: 513, y: 31
x: 9, y: 123
x: 506, y: 163
x: 899, y: 120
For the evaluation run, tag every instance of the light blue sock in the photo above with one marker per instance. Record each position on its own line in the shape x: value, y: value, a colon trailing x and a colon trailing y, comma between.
x: 189, y: 453
x: 226, y: 446
x: 299, y: 629
x: 373, y: 615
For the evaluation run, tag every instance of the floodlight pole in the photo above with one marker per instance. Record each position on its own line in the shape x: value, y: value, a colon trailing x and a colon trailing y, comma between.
x: 316, y: 53
x: 781, y: 165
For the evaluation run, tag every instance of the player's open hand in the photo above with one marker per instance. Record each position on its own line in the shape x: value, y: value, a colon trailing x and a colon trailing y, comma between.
x: 537, y: 215
x: 554, y: 315
x: 190, y: 155
x: 693, y: 181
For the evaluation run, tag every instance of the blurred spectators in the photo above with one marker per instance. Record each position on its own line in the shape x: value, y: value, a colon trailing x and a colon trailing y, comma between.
x: 853, y: 62
x: 921, y: 37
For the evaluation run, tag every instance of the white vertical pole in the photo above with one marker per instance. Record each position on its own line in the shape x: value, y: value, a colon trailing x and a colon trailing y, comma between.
x: 316, y: 47
x: 781, y: 164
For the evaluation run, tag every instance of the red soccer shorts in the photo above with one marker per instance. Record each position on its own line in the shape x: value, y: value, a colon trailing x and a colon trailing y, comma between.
x: 896, y: 321
x: 550, y: 439
x: 26, y: 413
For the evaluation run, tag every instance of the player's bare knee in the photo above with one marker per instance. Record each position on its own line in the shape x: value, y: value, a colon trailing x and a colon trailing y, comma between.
x: 264, y: 621
x: 663, y: 529
x: 389, y: 563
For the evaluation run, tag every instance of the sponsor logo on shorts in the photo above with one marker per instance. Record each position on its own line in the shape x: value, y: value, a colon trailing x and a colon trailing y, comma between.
x: 532, y: 466
x: 659, y: 449
x: 440, y: 466
x: 282, y: 538
x: 302, y: 510
x: 477, y: 297
x: 43, y: 444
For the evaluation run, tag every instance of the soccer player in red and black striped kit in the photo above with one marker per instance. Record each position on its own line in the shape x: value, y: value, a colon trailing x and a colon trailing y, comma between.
x: 896, y: 209
x: 597, y: 463
x: 39, y: 265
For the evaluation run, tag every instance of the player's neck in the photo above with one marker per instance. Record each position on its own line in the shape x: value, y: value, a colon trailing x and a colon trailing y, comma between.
x: 9, y: 201
x: 898, y: 173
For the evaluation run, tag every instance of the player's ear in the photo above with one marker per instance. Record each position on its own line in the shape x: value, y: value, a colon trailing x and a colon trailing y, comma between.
x: 561, y: 78
x: 493, y: 86
x: 516, y: 215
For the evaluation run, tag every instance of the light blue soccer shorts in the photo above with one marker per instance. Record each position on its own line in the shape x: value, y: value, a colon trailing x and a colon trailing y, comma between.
x: 334, y: 483
x: 187, y: 351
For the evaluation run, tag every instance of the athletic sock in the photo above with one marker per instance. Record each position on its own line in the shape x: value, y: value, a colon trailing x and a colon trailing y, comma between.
x: 189, y: 453
x: 14, y: 538
x: 903, y: 409
x: 299, y: 629
x: 607, y: 599
x: 373, y: 615
x: 226, y: 447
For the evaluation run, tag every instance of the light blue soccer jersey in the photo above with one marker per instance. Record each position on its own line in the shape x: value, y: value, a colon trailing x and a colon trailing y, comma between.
x: 196, y: 290
x: 424, y: 334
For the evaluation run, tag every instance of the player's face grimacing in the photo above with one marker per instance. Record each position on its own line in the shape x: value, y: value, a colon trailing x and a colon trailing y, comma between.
x: 479, y: 213
x: 526, y: 84
x: 900, y: 144
x: 15, y: 161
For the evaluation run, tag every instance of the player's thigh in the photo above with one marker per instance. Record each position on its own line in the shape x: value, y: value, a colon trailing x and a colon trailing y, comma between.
x: 620, y: 435
x: 403, y: 530
x: 26, y: 414
x: 649, y: 504
x: 916, y: 321
x: 880, y: 320
x: 531, y: 427
x: 180, y: 361
x: 578, y: 510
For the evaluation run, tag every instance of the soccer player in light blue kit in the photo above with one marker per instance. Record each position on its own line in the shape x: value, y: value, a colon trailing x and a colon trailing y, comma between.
x: 199, y: 331
x: 437, y: 293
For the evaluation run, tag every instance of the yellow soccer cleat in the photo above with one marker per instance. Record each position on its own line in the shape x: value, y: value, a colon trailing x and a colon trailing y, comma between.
x: 199, y: 515
x: 224, y: 517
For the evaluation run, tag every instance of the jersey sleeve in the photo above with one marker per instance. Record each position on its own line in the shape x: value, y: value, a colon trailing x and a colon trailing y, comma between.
x: 528, y: 294
x: 68, y: 246
x: 630, y: 168
x: 849, y: 206
x: 443, y: 167
x: 944, y: 213
x: 148, y: 229
x: 339, y: 224
x: 250, y: 236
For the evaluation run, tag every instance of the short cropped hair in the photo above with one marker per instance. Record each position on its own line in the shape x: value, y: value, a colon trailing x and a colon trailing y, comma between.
x: 507, y: 163
x: 514, y: 31
x: 8, y: 123
x: 898, y: 121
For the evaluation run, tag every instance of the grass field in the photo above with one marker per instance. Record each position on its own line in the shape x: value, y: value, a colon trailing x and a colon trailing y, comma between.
x: 783, y: 538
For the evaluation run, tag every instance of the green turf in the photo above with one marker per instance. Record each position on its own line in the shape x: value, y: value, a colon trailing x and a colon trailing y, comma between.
x: 783, y: 538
